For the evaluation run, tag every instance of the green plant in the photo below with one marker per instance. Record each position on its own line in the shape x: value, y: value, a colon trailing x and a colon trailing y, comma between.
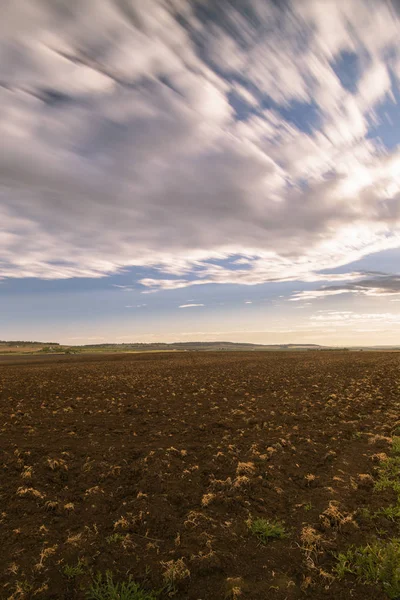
x: 389, y: 471
x: 391, y: 512
x: 376, y: 563
x: 115, y: 538
x: 364, y: 513
x: 23, y: 587
x: 396, y: 445
x: 266, y: 530
x: 106, y: 589
x: 308, y: 506
x: 71, y: 571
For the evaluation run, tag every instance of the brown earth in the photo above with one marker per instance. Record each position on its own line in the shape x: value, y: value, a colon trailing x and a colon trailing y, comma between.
x: 150, y: 447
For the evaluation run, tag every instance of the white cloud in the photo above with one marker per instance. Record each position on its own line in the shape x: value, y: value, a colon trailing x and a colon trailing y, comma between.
x: 125, y: 288
x: 346, y: 318
x: 315, y: 294
x: 267, y: 268
x: 120, y: 147
x: 135, y: 305
x: 190, y: 305
x: 377, y: 284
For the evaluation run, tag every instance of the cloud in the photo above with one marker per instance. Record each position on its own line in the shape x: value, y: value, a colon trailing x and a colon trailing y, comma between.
x: 270, y: 268
x: 379, y: 285
x: 190, y: 305
x: 92, y: 338
x: 315, y: 294
x: 125, y: 288
x: 350, y: 318
x: 121, y: 144
x: 135, y: 305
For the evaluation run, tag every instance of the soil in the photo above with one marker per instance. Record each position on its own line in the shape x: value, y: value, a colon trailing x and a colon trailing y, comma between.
x: 126, y: 462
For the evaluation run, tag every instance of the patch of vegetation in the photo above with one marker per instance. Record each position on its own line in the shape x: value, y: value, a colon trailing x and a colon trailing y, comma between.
x: 376, y: 563
x: 389, y: 478
x: 390, y: 512
x: 22, y: 588
x: 115, y: 538
x: 104, y: 588
x: 364, y: 513
x: 396, y: 445
x: 72, y: 571
x: 266, y: 530
x: 389, y: 472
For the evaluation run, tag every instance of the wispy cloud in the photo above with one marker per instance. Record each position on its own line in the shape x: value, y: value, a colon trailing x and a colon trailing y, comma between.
x: 262, y: 271
x: 351, y: 318
x: 379, y: 285
x: 125, y: 288
x: 127, y: 139
x: 190, y: 305
x: 135, y: 305
x: 92, y: 338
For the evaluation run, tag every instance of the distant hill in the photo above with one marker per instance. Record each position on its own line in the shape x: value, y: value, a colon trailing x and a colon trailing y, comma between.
x: 33, y: 347
x: 25, y: 343
x: 24, y: 347
x: 190, y: 346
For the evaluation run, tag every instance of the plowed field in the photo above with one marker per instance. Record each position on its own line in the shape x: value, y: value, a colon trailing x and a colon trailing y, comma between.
x: 156, y: 467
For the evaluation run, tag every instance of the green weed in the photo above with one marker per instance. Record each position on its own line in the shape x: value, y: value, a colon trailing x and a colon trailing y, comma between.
x: 364, y: 513
x: 115, y: 538
x: 396, y: 445
x: 376, y: 563
x: 389, y: 474
x: 391, y: 512
x: 106, y: 589
x: 71, y: 571
x: 22, y: 588
x: 266, y: 530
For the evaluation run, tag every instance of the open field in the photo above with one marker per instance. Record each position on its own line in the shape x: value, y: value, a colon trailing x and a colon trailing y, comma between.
x: 202, y: 476
x: 26, y: 348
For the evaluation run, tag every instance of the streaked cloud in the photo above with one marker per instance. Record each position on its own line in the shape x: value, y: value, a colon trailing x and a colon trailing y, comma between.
x: 135, y: 305
x: 350, y: 318
x: 190, y: 305
x: 146, y: 133
x: 379, y: 285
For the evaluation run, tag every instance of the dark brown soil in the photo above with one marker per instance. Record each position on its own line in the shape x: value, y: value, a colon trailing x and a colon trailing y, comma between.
x: 149, y: 447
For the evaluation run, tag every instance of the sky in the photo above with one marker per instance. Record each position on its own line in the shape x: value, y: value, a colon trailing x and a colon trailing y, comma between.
x: 177, y: 170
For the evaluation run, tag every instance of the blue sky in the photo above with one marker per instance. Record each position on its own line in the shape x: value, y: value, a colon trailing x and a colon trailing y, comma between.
x: 193, y: 170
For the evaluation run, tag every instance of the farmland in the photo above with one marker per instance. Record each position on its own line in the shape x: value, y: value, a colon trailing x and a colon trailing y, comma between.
x: 200, y: 475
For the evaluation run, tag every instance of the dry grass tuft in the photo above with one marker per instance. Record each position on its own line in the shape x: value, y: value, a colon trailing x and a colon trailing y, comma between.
x: 29, y: 492
x: 27, y: 472
x: 311, y: 540
x: 244, y: 468
x: 207, y: 499
x: 57, y: 463
x: 175, y: 571
x: 333, y: 518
